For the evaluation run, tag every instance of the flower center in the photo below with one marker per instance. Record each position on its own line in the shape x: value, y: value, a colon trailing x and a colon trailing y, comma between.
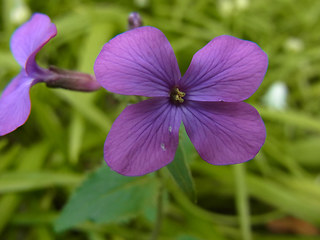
x: 176, y: 95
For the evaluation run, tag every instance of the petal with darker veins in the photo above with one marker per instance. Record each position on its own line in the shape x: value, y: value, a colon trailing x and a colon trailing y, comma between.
x: 144, y: 138
x: 138, y: 62
x: 224, y: 133
x: 226, y: 69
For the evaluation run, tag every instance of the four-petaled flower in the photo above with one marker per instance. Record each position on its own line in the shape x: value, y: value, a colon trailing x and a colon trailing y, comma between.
x: 207, y: 99
x: 26, y: 42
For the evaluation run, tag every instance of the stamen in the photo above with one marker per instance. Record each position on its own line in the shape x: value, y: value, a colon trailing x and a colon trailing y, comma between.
x: 176, y: 95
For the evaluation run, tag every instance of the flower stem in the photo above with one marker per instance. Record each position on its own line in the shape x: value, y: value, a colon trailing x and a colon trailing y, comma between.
x: 158, y: 223
x: 242, y: 202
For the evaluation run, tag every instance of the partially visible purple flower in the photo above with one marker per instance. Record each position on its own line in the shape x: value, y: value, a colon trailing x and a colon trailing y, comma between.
x: 26, y: 42
x: 207, y: 99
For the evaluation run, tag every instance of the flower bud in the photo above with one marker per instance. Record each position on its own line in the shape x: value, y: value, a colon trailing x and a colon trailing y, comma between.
x: 134, y: 20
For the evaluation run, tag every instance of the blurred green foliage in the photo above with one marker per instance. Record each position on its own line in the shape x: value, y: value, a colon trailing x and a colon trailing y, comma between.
x: 43, y: 162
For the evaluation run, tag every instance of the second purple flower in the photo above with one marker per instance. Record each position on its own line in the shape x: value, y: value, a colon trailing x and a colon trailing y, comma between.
x: 26, y: 42
x: 207, y: 99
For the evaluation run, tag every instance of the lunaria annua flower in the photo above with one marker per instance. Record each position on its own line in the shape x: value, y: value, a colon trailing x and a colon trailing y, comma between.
x: 25, y: 43
x: 207, y: 99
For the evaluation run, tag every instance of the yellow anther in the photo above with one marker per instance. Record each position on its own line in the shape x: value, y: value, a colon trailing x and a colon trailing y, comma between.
x: 176, y: 95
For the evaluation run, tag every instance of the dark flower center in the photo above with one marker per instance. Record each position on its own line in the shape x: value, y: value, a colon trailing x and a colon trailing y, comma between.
x: 176, y: 96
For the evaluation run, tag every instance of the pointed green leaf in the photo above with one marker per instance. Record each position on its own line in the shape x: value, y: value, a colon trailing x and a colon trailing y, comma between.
x: 107, y: 196
x: 181, y: 174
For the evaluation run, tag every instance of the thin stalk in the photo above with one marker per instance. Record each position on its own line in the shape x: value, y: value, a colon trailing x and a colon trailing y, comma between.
x: 158, y: 223
x: 242, y: 202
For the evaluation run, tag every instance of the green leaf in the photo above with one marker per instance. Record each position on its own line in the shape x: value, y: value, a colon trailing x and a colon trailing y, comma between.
x: 28, y: 181
x: 293, y: 118
x: 187, y: 237
x: 181, y: 174
x: 68, y: 30
x: 294, y: 202
x: 76, y: 133
x: 100, y: 32
x: 107, y: 196
x: 306, y: 151
x: 8, y: 157
x: 186, y: 145
x: 83, y: 104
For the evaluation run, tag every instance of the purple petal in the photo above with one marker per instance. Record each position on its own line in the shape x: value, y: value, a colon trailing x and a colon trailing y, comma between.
x: 226, y: 69
x: 28, y: 39
x: 138, y: 62
x: 15, y: 104
x: 144, y: 138
x: 224, y: 133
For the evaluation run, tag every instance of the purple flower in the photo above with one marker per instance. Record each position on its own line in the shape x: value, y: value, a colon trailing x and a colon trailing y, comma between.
x: 26, y: 42
x: 207, y: 99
